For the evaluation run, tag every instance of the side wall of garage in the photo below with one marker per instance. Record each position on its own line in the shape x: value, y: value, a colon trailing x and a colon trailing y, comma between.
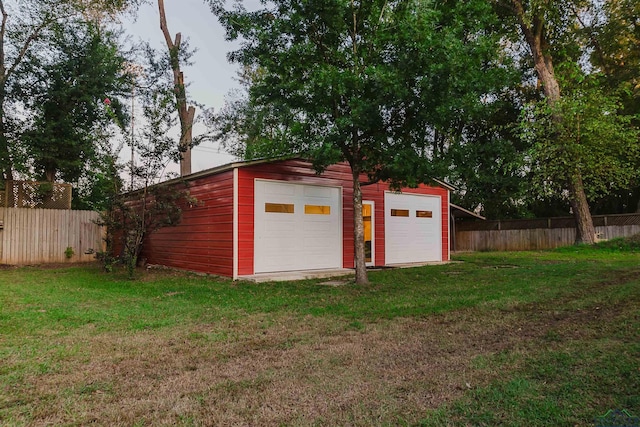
x: 203, y: 241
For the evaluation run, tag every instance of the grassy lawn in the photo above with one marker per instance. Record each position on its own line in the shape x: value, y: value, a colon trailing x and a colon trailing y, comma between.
x: 532, y: 339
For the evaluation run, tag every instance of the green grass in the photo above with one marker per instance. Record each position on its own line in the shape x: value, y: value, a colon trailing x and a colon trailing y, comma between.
x: 562, y: 327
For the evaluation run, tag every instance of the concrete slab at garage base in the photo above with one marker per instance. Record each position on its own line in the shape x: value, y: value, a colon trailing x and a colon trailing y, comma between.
x: 288, y: 276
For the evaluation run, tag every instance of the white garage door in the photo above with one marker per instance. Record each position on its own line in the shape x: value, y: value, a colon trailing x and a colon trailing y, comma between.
x: 297, y: 227
x: 413, y: 231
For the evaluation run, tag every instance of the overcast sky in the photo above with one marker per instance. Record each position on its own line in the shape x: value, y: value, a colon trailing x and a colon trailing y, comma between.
x: 210, y: 77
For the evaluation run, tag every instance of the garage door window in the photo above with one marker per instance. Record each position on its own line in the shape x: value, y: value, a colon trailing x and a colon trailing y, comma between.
x: 400, y: 212
x: 279, y: 208
x: 317, y: 210
x: 424, y: 214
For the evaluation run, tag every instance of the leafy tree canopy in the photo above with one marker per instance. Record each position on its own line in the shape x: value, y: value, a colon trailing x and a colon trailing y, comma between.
x: 29, y: 32
x: 85, y: 69
x: 363, y: 82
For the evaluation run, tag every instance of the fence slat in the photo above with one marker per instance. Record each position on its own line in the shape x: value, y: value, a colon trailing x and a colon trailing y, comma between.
x: 40, y: 236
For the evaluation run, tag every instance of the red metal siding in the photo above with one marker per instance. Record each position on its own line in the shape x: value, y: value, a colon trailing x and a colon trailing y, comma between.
x: 338, y: 176
x: 203, y: 241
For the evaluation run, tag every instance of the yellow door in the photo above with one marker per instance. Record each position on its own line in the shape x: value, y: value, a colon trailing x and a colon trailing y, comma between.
x: 367, y: 219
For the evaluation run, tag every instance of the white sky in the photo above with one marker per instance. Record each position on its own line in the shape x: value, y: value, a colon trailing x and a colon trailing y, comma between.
x: 210, y: 77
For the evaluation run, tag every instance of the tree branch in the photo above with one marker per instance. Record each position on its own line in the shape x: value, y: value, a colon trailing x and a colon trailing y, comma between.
x: 594, y: 41
x: 3, y: 30
x: 355, y: 29
x: 164, y: 27
x: 25, y: 47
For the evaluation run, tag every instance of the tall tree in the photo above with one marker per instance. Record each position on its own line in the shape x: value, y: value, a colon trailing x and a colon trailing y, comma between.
x: 25, y: 26
x: 543, y: 23
x: 353, y: 80
x: 23, y: 23
x: 186, y: 114
x: 85, y: 67
x: 592, y: 136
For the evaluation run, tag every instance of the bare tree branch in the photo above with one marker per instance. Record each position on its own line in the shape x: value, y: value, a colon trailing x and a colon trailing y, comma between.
x: 3, y: 30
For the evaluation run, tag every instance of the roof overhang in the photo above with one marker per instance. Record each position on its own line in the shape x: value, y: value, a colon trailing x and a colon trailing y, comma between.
x: 460, y: 212
x: 444, y: 184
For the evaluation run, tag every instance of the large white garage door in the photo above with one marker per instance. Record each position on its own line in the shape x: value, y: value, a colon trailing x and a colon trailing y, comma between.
x: 297, y: 227
x: 413, y: 230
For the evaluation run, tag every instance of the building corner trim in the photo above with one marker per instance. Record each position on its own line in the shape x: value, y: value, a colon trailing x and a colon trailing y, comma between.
x: 448, y: 226
x: 235, y: 224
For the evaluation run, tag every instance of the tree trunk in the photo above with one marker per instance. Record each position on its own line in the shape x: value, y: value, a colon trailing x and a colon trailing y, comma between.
x: 533, y: 29
x: 185, y: 142
x: 186, y: 115
x: 50, y: 174
x: 358, y: 230
x: 580, y: 209
x: 6, y: 165
x: 5, y: 158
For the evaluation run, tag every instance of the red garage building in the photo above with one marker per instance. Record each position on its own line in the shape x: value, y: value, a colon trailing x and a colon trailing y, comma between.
x: 273, y: 216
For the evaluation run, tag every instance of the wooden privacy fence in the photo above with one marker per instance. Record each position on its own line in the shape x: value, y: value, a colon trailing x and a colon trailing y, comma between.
x: 39, y: 236
x: 536, y: 234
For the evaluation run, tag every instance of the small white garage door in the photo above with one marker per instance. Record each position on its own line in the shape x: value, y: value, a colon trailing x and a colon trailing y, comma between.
x: 297, y: 227
x: 413, y: 230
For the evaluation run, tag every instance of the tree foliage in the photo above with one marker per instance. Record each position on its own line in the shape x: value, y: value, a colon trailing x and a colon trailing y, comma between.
x: 366, y: 82
x: 560, y: 37
x: 592, y: 137
x: 614, y: 34
x: 29, y: 31
x: 85, y: 68
x: 488, y: 159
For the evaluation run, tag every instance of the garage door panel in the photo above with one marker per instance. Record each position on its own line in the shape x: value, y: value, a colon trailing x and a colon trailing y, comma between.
x: 314, y: 191
x: 303, y: 239
x: 315, y: 227
x: 280, y: 231
x: 284, y: 262
x: 317, y: 244
x: 285, y: 245
x: 277, y: 189
x: 414, y: 234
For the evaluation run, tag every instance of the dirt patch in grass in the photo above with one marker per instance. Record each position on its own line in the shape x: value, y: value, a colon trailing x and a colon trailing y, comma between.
x: 295, y: 371
x: 59, y: 265
x: 268, y: 371
x: 335, y: 283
